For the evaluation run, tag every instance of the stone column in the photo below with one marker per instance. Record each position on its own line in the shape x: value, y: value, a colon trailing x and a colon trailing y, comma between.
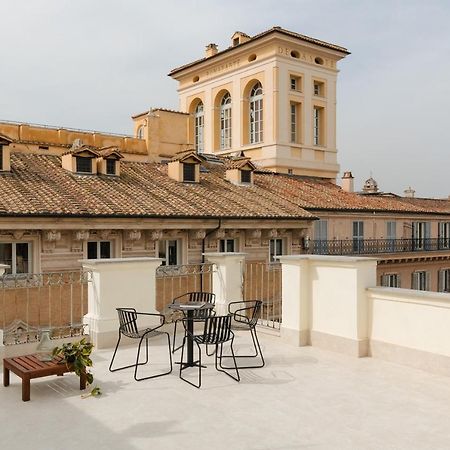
x: 118, y: 282
x: 228, y: 278
x: 326, y: 297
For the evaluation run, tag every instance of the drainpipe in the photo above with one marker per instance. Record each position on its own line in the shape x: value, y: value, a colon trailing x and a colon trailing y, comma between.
x: 203, y: 249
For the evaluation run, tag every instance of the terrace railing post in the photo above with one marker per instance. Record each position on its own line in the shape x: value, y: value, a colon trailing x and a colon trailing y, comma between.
x: 228, y: 277
x: 3, y: 267
x: 118, y: 282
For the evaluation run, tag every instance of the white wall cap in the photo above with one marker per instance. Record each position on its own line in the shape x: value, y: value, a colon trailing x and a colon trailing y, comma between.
x: 4, y: 266
x: 116, y: 261
x: 440, y: 299
x: 325, y: 259
x: 224, y: 255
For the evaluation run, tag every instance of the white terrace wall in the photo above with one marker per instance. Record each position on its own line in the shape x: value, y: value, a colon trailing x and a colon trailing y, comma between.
x: 332, y: 302
x: 410, y: 327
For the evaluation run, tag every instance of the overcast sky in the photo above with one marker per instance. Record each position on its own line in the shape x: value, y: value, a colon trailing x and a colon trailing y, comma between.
x: 93, y: 63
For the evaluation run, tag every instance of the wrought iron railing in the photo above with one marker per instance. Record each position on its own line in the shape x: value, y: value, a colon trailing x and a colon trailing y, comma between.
x: 30, y: 303
x: 374, y: 246
x: 262, y: 281
x: 172, y: 281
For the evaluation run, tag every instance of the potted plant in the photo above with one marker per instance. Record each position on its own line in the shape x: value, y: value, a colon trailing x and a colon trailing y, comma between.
x: 76, y: 355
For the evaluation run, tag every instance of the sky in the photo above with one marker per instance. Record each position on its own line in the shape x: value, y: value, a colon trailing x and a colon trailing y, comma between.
x: 91, y: 64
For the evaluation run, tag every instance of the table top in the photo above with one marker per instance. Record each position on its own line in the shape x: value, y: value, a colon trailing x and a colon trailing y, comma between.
x: 31, y: 363
x: 190, y: 306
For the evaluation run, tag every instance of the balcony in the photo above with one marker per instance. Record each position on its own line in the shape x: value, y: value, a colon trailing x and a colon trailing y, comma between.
x: 377, y: 246
x: 304, y: 398
x: 314, y: 391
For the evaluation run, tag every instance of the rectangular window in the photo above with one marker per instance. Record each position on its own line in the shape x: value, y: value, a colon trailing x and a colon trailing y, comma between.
x: 17, y: 255
x: 256, y: 121
x: 111, y: 166
x: 321, y: 237
x: 295, y: 119
x: 444, y: 280
x: 391, y: 235
x: 276, y: 249
x: 420, y: 280
x: 169, y: 252
x: 246, y: 176
x: 293, y: 122
x: 444, y: 235
x: 84, y: 165
x: 295, y: 83
x: 189, y: 172
x: 99, y: 250
x: 319, y: 88
x: 227, y: 245
x: 390, y: 280
x: 1, y: 157
x: 421, y: 235
x: 317, y: 125
x: 358, y: 236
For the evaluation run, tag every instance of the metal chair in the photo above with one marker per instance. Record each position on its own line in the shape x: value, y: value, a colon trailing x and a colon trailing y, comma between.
x: 206, y: 297
x: 128, y: 326
x: 216, y: 331
x: 245, y: 315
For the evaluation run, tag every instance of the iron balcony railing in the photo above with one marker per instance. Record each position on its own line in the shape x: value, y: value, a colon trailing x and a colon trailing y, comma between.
x: 30, y: 303
x: 374, y: 246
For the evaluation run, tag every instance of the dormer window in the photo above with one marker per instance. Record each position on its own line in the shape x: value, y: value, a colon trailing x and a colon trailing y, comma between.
x: 84, y: 165
x: 185, y: 167
x: 239, y: 171
x: 79, y: 159
x: 189, y: 172
x: 109, y: 161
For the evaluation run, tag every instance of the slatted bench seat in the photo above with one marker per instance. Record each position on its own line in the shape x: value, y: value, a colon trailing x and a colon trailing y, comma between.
x: 29, y: 366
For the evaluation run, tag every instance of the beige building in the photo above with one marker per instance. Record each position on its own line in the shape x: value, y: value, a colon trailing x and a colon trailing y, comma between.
x: 260, y: 116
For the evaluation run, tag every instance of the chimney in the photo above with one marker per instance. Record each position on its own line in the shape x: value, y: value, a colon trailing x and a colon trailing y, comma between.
x: 211, y: 50
x: 410, y: 193
x: 348, y: 182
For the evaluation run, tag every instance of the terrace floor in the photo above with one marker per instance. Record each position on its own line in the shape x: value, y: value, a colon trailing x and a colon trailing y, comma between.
x: 304, y: 398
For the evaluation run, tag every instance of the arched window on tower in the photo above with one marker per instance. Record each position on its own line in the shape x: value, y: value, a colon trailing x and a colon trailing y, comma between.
x: 256, y: 114
x: 140, y: 132
x: 225, y: 122
x: 199, y: 127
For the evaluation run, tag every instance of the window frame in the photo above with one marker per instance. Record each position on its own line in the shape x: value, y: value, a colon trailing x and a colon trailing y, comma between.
x: 444, y: 280
x: 390, y: 280
x: 13, y: 265
x: 225, y: 119
x: 167, y: 243
x: 223, y: 245
x: 420, y: 280
x: 113, y: 162
x: 189, y: 170
x: 444, y: 235
x: 79, y: 160
x: 273, y: 250
x: 98, y: 249
x: 140, y: 132
x: 245, y: 173
x: 318, y: 112
x: 199, y: 127
x: 256, y: 114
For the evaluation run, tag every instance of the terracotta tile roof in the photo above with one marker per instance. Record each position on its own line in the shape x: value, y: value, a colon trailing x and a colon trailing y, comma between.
x: 159, y: 109
x: 314, y: 194
x: 185, y: 154
x: 108, y: 151
x: 237, y: 163
x: 39, y: 186
x: 82, y: 149
x: 280, y: 30
x: 435, y: 205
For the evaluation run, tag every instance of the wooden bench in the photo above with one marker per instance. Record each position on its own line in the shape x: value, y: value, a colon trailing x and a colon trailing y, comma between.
x: 29, y: 366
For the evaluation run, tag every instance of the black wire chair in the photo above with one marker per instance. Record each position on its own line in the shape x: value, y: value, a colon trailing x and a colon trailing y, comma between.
x: 216, y: 331
x: 245, y: 315
x: 128, y: 326
x: 206, y: 297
